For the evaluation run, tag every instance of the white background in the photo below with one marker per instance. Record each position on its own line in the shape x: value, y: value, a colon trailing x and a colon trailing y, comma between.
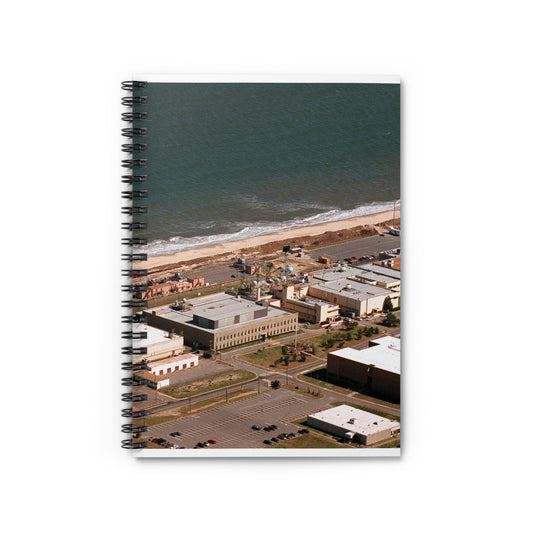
x: 467, y: 141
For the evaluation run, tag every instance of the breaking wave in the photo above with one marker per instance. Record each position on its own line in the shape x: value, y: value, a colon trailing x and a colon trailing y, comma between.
x: 178, y: 243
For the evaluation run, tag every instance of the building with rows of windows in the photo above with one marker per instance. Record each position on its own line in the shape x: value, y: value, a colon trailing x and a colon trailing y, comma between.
x: 222, y: 320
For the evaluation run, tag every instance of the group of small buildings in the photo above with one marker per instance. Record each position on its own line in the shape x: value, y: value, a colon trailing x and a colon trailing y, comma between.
x: 325, y: 294
x: 224, y: 320
x: 172, y: 286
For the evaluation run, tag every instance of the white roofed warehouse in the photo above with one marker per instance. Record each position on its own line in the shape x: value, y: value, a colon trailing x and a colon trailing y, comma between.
x: 376, y: 368
x: 355, y: 424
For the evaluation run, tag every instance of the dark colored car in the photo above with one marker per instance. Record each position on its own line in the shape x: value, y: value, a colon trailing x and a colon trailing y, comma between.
x: 266, y: 441
x: 256, y: 427
x: 200, y: 445
x: 175, y: 434
x: 268, y: 428
x: 281, y: 436
x: 273, y: 426
x: 291, y: 435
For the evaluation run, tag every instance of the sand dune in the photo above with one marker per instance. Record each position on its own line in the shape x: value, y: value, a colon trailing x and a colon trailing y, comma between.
x: 235, y: 246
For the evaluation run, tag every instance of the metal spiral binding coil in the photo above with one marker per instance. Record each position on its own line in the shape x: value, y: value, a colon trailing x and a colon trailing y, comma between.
x: 132, y: 210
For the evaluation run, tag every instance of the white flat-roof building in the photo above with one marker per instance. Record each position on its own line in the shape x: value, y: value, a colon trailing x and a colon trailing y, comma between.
x: 173, y: 364
x: 355, y: 424
x: 222, y: 320
x: 158, y: 343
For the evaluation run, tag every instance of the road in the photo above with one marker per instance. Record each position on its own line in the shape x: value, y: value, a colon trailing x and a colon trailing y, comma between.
x: 367, y: 246
x: 214, y: 274
x: 289, y: 376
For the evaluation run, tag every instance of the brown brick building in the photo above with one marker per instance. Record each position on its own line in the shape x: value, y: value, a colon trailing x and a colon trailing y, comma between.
x: 376, y: 368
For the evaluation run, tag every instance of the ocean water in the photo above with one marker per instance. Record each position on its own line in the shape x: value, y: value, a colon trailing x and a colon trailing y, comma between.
x: 233, y: 160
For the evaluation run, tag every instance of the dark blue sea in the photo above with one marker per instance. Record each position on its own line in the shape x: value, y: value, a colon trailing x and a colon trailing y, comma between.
x: 232, y: 160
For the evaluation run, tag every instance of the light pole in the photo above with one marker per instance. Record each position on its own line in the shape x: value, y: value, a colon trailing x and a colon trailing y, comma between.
x: 394, y: 213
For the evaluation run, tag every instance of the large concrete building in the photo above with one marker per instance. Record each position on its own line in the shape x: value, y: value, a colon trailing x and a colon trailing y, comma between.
x: 309, y: 309
x: 354, y: 424
x: 222, y: 320
x: 371, y: 274
x: 376, y: 368
x: 159, y: 344
x: 360, y: 290
x: 352, y: 296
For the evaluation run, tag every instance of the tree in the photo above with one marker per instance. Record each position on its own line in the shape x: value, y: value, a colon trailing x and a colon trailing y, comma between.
x: 276, y: 384
x: 284, y: 350
x: 391, y: 320
x: 387, y: 305
x: 313, y: 349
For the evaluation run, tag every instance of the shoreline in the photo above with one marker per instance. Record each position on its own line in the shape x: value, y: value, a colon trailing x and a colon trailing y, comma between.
x: 372, y: 219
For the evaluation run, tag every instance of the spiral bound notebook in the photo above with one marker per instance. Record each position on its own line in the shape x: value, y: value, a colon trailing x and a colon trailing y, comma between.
x: 262, y: 259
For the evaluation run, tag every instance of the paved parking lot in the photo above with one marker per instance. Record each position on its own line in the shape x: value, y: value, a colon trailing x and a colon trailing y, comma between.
x: 231, y: 424
x: 206, y: 368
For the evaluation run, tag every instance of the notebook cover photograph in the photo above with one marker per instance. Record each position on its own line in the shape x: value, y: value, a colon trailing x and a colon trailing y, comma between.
x: 262, y: 267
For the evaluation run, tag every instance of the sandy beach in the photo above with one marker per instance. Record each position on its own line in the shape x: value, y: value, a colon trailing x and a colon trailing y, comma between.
x: 253, y: 242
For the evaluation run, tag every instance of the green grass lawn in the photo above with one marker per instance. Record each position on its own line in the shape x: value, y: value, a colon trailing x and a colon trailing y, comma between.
x: 319, y: 377
x: 218, y: 381
x: 393, y: 444
x: 266, y: 358
x: 302, y: 390
x: 309, y: 441
x: 343, y: 339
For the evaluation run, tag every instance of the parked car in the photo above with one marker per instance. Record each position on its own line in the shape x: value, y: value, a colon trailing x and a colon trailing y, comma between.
x: 273, y: 426
x: 266, y: 441
x: 200, y: 445
x: 275, y: 439
x: 175, y: 434
x: 256, y: 427
x: 291, y: 435
x: 212, y: 441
